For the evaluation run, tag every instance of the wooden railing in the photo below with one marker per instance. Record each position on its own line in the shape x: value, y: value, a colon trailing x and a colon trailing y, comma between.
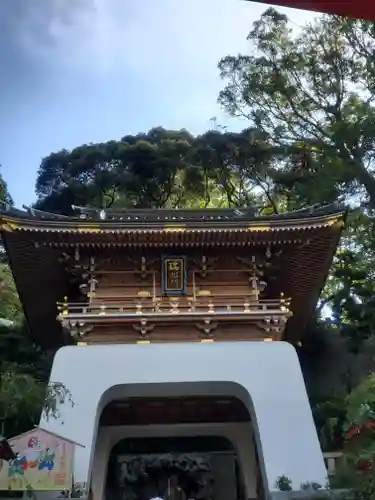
x: 204, y: 304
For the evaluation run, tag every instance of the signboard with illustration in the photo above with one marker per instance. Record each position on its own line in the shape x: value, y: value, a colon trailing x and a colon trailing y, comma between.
x: 44, y: 462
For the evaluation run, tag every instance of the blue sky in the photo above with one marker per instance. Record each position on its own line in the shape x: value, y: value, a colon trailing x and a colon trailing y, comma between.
x: 79, y: 71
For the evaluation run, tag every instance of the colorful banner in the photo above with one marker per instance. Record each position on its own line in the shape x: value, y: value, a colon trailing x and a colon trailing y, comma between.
x: 44, y: 462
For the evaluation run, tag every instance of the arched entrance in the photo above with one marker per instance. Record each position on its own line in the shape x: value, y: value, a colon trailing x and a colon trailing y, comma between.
x: 188, y: 438
x: 260, y: 374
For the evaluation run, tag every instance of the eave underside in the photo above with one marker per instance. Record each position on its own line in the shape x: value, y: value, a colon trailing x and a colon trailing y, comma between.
x: 41, y: 279
x: 169, y: 411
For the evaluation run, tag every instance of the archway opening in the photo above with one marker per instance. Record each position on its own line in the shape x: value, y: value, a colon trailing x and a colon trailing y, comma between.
x: 162, y: 441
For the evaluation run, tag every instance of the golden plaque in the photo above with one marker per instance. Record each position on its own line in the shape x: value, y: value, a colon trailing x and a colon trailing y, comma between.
x: 174, y: 275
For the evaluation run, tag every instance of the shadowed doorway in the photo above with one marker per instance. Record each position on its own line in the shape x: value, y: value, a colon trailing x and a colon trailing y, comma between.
x: 206, y: 466
x: 141, y: 467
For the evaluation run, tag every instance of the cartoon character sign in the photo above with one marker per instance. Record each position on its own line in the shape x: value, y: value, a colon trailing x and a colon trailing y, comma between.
x: 46, y: 460
x: 43, y: 461
x: 32, y: 452
x: 26, y: 459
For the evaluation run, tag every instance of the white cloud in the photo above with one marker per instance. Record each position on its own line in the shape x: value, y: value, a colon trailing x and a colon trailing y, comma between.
x: 144, y: 36
x: 170, y: 47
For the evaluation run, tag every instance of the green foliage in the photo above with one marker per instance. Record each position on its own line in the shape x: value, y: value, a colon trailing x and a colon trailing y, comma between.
x: 350, y: 289
x: 4, y: 193
x: 284, y: 483
x: 361, y: 402
x: 23, y: 397
x: 146, y: 170
x: 330, y: 417
x: 24, y: 367
x: 359, y: 448
x: 10, y: 306
x: 311, y: 91
x: 160, y: 169
x: 24, y: 388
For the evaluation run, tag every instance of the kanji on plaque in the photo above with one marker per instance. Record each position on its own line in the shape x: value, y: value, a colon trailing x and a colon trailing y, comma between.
x: 174, y: 275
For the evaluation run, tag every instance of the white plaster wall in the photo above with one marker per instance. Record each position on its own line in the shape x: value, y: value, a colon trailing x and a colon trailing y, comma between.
x: 240, y: 436
x: 266, y: 376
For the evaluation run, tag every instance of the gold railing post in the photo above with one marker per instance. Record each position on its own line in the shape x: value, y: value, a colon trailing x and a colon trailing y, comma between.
x: 246, y: 305
x: 65, y: 307
x: 174, y: 302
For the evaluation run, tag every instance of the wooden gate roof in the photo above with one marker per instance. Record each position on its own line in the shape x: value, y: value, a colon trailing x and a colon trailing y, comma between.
x: 34, y: 241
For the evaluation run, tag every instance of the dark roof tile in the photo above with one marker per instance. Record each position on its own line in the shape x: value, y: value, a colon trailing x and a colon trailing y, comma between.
x: 169, y: 215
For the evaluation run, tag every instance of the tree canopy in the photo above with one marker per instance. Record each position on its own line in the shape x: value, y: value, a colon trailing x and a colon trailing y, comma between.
x: 162, y: 168
x: 313, y: 89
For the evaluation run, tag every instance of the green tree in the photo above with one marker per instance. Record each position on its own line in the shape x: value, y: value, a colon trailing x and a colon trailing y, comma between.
x: 236, y: 168
x: 145, y: 170
x: 4, y: 193
x: 159, y: 169
x: 350, y: 288
x: 23, y: 398
x: 311, y: 91
x: 10, y: 306
x: 356, y: 470
x: 24, y: 367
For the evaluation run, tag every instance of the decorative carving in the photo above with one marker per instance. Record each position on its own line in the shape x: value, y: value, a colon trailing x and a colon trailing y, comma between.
x: 255, y: 272
x: 143, y: 268
x: 92, y: 285
x: 273, y: 324
x: 77, y: 329
x: 207, y: 327
x: 81, y: 271
x: 272, y: 256
x: 204, y: 266
x: 156, y: 301
x: 174, y: 303
x: 205, y: 309
x: 143, y: 327
x: 8, y: 226
x: 284, y: 303
x: 63, y: 307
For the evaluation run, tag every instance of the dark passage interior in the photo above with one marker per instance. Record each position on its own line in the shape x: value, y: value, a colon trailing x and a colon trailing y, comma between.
x: 205, y: 468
